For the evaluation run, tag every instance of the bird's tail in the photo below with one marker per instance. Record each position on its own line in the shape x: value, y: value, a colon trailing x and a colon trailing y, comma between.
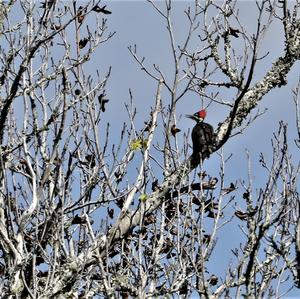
x: 195, y: 159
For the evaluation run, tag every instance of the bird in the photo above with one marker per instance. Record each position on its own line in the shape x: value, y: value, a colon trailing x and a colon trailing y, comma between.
x: 203, y: 138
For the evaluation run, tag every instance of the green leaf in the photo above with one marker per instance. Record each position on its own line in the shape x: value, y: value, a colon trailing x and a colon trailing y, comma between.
x: 144, y: 143
x: 136, y: 144
x: 143, y: 197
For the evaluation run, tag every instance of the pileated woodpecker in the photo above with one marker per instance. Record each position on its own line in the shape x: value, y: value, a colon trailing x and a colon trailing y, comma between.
x: 203, y: 137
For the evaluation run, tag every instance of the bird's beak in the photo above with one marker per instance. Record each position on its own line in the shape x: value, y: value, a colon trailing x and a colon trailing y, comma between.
x: 193, y: 117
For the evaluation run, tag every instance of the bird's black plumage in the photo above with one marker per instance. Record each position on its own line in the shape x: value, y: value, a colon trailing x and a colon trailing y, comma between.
x: 203, y: 137
x: 204, y: 140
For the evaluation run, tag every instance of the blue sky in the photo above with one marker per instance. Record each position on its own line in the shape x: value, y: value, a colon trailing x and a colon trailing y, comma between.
x: 137, y: 23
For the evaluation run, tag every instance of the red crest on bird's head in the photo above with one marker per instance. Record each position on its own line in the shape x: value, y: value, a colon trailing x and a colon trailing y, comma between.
x: 198, y: 116
x: 202, y: 114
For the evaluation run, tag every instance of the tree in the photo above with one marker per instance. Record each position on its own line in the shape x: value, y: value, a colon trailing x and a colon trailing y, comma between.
x: 77, y: 220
